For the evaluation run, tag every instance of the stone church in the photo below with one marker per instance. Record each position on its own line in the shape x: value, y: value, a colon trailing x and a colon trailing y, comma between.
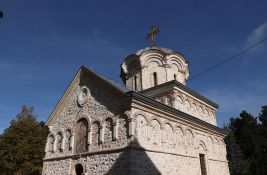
x: 153, y: 124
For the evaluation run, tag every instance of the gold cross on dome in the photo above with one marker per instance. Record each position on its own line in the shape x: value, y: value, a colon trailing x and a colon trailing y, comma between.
x: 152, y: 34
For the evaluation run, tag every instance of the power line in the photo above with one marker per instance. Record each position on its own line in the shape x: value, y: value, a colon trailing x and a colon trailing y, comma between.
x: 228, y: 59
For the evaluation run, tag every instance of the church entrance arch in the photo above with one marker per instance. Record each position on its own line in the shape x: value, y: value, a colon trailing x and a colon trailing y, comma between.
x: 77, y: 169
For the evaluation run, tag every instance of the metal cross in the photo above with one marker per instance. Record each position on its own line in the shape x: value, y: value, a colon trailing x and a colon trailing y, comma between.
x: 152, y: 34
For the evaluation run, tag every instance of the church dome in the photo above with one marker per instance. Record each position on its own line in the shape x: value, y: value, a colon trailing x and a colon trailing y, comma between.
x: 152, y: 66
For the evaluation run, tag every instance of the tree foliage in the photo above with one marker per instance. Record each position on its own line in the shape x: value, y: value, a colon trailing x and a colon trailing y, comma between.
x: 247, y: 144
x: 22, y: 145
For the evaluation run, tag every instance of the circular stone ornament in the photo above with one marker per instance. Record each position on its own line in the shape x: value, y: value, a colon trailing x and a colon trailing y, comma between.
x: 83, y: 95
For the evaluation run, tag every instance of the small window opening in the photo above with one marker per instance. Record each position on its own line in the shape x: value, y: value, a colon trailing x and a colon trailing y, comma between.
x: 174, y: 76
x: 202, y: 164
x: 155, y: 78
x: 79, y: 169
x: 135, y: 82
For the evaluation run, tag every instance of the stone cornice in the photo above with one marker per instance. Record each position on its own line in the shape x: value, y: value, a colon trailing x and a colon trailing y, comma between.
x: 173, y: 111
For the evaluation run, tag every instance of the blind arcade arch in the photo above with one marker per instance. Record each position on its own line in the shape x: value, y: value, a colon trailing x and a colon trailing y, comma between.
x: 81, y: 136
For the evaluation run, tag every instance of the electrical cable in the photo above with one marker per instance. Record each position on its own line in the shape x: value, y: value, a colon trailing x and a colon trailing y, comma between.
x: 228, y: 59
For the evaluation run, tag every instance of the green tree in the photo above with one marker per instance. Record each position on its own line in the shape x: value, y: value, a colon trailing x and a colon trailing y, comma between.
x: 263, y: 116
x: 237, y: 164
x: 247, y: 144
x: 259, y: 158
x: 245, y: 128
x: 22, y: 145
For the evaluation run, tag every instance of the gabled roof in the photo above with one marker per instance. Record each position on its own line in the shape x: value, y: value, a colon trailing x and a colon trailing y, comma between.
x: 130, y: 93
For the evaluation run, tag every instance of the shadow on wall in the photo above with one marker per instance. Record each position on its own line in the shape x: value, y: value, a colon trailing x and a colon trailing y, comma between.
x: 133, y: 160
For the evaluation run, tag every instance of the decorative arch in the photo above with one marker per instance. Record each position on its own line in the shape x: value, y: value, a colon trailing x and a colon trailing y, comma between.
x: 187, y: 104
x: 216, y: 145
x: 178, y: 126
x: 212, y: 113
x: 179, y: 136
x: 221, y: 147
x: 180, y: 102
x: 179, y: 95
x: 210, y: 144
x: 154, y: 58
x: 96, y: 138
x: 206, y: 113
x: 50, y: 143
x: 68, y: 139
x: 108, y: 130
x: 177, y: 59
x: 165, y: 122
x: 201, y: 111
x: 123, y: 127
x: 202, y: 146
x: 77, y: 166
x: 81, y: 136
x: 59, y: 141
x: 177, y: 63
x: 155, y: 132
x: 191, y: 130
x: 189, y: 138
x: 168, y: 134
x: 194, y: 108
x: 141, y: 128
x: 84, y: 117
x: 137, y: 113
x: 155, y: 118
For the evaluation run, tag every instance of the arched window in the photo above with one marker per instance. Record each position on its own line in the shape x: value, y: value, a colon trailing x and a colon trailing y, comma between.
x: 50, y: 144
x: 179, y: 137
x: 175, y: 77
x: 79, y: 169
x: 155, y: 132
x: 59, y: 142
x: 168, y: 134
x: 123, y: 127
x: 108, y: 135
x: 155, y: 78
x: 68, y: 139
x: 135, y: 82
x: 189, y: 139
x: 141, y: 129
x: 81, y: 136
x: 96, y: 133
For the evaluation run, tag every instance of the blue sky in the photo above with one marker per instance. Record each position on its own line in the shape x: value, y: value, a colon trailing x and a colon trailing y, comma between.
x: 43, y: 44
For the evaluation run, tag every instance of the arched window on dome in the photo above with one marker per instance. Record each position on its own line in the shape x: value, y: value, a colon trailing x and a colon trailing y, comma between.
x: 175, y: 77
x: 135, y: 82
x: 155, y: 78
x: 81, y: 136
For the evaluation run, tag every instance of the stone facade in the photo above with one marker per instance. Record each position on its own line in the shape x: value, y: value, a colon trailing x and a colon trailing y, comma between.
x: 99, y: 128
